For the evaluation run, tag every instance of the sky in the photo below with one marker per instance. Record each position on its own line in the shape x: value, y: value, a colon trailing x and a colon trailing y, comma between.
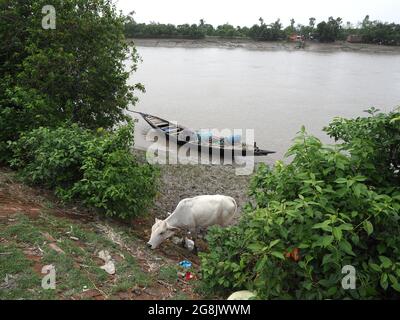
x: 247, y: 12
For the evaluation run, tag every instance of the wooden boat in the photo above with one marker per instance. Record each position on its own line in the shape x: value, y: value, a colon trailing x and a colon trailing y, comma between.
x: 214, y: 144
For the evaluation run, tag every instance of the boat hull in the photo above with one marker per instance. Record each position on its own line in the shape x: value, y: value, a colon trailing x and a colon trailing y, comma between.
x: 211, y: 149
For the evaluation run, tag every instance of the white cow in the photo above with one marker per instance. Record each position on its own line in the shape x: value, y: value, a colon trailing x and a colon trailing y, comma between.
x: 192, y: 214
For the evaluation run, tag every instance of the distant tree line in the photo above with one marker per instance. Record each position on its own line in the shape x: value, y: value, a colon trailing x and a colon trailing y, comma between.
x: 367, y: 31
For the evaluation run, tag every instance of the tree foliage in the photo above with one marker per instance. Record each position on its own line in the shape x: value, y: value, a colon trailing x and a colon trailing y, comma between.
x: 379, y: 32
x: 75, y: 72
x: 264, y: 32
x: 329, y: 31
x: 325, y: 31
x: 160, y: 30
x: 330, y: 207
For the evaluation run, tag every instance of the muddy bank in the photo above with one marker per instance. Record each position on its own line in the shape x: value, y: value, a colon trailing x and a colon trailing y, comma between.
x: 182, y: 181
x: 265, y: 46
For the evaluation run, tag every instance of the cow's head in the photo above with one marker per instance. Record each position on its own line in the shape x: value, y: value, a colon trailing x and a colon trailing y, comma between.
x: 160, y: 231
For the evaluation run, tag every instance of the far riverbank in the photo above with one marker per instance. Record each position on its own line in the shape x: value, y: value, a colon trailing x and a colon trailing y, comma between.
x: 339, y: 46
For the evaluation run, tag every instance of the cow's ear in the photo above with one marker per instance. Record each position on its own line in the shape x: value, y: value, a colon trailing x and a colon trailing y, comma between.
x: 157, y: 220
x: 169, y: 227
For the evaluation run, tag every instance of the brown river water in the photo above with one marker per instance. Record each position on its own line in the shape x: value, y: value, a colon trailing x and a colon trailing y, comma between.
x: 272, y: 92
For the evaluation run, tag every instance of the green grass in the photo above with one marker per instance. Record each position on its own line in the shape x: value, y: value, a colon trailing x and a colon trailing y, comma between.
x: 78, y: 268
x: 12, y: 260
x: 23, y: 282
x: 129, y: 275
x: 168, y: 273
x: 23, y: 231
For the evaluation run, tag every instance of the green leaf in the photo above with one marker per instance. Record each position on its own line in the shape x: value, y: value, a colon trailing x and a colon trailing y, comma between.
x: 331, y: 291
x: 327, y: 240
x: 337, y: 233
x: 393, y: 279
x: 360, y: 178
x: 396, y: 286
x: 394, y: 120
x: 357, y: 188
x: 341, y: 180
x: 386, y: 262
x: 346, y: 247
x: 375, y: 267
x: 346, y: 227
x: 273, y: 243
x: 307, y: 285
x: 278, y: 254
x: 256, y: 247
x: 384, y: 281
x: 326, y: 259
x: 323, y: 225
x: 368, y: 227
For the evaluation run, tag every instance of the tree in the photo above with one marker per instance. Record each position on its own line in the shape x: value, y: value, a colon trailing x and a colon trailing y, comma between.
x: 329, y: 31
x: 73, y: 73
x: 264, y: 32
x: 290, y: 30
x: 292, y: 23
x: 312, y: 23
x: 366, y: 22
x: 378, y: 32
x: 228, y: 30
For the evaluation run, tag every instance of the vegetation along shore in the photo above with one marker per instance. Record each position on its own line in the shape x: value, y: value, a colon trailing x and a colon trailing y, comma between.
x: 334, y: 29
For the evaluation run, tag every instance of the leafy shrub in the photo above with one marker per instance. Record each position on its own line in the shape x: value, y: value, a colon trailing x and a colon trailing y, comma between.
x: 376, y: 141
x: 97, y: 168
x: 51, y: 157
x: 113, y: 180
x: 326, y: 209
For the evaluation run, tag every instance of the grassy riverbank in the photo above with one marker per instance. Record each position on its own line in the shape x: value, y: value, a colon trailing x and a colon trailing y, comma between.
x: 37, y: 230
x: 248, y: 44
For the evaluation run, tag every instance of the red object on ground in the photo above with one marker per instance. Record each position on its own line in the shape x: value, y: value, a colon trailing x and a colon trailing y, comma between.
x: 188, y: 276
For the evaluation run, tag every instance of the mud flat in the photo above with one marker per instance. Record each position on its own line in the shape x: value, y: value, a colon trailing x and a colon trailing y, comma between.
x: 265, y: 45
x: 183, y: 181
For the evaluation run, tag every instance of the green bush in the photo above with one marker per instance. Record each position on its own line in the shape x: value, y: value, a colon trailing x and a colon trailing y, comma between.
x: 51, y: 157
x: 330, y: 207
x: 97, y: 168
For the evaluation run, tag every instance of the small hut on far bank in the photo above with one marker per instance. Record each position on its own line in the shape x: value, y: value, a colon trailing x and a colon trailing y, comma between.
x: 354, y: 38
